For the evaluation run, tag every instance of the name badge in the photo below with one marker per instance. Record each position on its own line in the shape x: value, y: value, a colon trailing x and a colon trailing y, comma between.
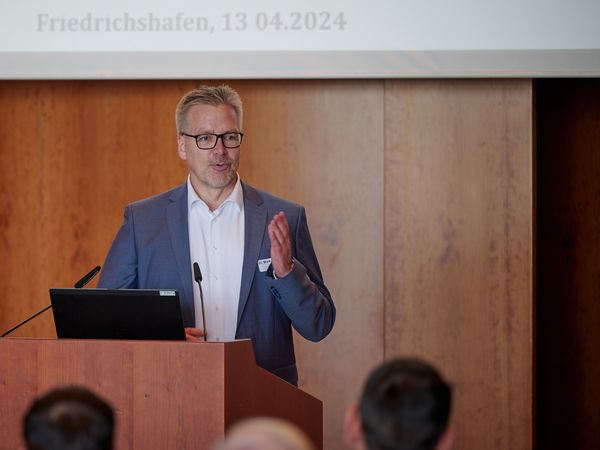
x: 263, y: 264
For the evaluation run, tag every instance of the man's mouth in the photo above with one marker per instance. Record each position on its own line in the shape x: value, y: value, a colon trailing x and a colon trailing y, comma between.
x: 220, y: 166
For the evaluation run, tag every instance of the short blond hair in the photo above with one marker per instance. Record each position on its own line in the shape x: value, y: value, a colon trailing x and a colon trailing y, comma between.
x: 265, y: 433
x: 208, y: 95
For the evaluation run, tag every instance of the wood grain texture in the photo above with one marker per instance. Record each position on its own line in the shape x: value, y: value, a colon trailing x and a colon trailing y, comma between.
x: 568, y: 285
x: 320, y: 143
x: 75, y: 153
x: 418, y: 196
x: 253, y: 391
x: 72, y: 155
x: 157, y: 400
x: 164, y: 394
x: 458, y: 254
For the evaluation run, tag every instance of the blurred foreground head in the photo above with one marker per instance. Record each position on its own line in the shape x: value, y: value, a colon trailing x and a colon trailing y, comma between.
x: 264, y: 433
x: 405, y: 405
x: 69, y: 418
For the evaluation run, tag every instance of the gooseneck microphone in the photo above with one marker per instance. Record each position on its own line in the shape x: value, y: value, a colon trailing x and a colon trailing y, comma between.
x: 198, y: 278
x: 87, y: 278
x: 81, y: 283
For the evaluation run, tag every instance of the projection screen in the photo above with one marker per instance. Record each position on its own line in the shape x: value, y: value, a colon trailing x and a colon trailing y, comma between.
x: 235, y: 39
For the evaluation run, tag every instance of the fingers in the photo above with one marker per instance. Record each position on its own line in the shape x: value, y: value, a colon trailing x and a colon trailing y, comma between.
x: 277, y: 245
x: 194, y: 334
x: 281, y: 247
x: 197, y: 332
x: 281, y: 225
x: 279, y: 230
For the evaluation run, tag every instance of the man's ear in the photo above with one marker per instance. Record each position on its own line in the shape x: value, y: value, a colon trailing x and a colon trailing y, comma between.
x: 181, y: 147
x: 446, y: 442
x: 353, y: 428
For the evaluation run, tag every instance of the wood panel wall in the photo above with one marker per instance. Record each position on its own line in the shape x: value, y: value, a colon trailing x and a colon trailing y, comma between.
x: 321, y: 144
x: 458, y: 259
x: 418, y: 195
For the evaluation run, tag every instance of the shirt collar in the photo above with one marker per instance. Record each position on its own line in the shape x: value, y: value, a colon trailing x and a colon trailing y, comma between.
x: 236, y: 197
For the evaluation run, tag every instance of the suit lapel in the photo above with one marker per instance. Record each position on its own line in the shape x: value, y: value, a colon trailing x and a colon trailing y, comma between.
x: 177, y: 220
x: 255, y: 219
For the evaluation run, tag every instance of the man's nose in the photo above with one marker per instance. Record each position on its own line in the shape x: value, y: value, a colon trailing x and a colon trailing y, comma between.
x: 219, y: 147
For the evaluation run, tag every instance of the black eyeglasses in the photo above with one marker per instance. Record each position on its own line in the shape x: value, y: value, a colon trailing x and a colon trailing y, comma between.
x: 207, y: 141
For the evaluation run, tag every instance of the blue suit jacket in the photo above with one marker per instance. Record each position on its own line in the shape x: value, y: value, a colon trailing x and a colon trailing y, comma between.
x: 151, y: 251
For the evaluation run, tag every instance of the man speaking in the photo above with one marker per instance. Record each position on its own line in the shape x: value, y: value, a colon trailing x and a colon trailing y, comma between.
x: 260, y: 274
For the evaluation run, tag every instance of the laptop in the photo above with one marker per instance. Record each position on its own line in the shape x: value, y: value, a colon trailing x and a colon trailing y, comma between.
x: 149, y: 314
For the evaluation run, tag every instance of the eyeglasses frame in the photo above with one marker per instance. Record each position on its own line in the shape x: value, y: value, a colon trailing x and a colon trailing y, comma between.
x: 218, y: 136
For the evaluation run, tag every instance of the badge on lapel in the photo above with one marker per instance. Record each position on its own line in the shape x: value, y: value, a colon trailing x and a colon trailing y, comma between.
x: 263, y: 264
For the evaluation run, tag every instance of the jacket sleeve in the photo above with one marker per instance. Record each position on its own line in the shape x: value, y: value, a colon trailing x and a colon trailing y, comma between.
x: 120, y: 267
x: 302, y: 294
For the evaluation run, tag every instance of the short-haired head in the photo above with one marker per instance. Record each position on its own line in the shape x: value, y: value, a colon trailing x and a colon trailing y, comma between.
x: 265, y: 433
x: 69, y: 418
x: 405, y: 405
x: 208, y: 95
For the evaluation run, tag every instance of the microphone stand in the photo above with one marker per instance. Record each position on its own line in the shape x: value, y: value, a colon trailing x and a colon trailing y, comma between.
x: 81, y: 283
x: 27, y: 320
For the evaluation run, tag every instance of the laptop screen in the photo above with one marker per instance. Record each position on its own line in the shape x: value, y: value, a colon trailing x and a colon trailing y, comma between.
x: 149, y: 314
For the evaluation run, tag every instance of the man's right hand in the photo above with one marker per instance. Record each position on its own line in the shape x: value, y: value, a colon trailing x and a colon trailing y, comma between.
x: 194, y: 334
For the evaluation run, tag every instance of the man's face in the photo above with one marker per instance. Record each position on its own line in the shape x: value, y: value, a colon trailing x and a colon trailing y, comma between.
x: 215, y: 168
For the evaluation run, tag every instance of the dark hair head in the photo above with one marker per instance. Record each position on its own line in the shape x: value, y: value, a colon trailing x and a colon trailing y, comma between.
x: 405, y: 406
x: 69, y: 418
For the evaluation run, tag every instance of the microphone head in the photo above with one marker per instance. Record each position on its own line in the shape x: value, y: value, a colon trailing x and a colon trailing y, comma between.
x: 87, y: 277
x: 197, y: 273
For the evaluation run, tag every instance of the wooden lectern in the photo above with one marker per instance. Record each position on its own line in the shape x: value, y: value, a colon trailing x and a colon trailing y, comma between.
x: 166, y: 395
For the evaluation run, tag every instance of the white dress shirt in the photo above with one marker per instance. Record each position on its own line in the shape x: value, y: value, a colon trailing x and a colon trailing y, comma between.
x: 217, y: 245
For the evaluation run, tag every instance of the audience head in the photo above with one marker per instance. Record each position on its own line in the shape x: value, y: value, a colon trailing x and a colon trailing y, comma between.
x: 264, y: 433
x: 405, y: 405
x: 69, y: 418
